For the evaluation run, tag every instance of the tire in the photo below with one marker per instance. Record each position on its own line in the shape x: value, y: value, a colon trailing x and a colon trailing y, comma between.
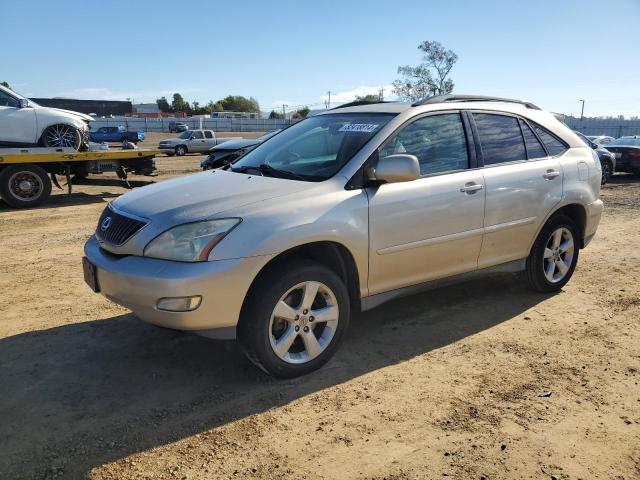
x: 543, y: 272
x: 607, y: 171
x: 180, y: 150
x: 24, y: 186
x: 62, y: 136
x: 311, y: 342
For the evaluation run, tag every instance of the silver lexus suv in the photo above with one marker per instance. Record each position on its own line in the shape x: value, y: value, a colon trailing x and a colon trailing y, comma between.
x: 344, y: 211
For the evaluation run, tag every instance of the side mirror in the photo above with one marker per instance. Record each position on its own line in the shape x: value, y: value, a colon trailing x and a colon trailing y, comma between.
x: 594, y: 146
x: 23, y: 103
x: 397, y: 168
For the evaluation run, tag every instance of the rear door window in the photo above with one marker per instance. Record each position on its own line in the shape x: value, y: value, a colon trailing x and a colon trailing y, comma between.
x: 208, y: 134
x: 553, y: 144
x: 534, y: 147
x: 500, y: 138
x: 197, y: 135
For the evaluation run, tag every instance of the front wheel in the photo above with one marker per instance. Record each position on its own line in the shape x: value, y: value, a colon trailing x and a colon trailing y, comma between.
x: 24, y: 186
x: 62, y: 136
x: 294, y: 319
x: 554, y: 255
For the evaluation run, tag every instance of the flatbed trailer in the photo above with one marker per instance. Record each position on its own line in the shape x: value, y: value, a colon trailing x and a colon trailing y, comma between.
x: 27, y: 174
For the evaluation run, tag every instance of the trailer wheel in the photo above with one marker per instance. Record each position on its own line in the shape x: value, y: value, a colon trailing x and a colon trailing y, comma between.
x: 24, y: 186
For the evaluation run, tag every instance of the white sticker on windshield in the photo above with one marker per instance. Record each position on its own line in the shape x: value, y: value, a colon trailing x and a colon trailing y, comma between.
x: 359, y: 127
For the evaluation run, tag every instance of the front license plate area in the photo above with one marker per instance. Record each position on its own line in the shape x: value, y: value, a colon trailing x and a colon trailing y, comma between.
x: 90, y: 274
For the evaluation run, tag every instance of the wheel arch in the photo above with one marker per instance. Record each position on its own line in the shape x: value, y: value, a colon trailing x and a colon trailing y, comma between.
x: 331, y: 254
x: 576, y: 212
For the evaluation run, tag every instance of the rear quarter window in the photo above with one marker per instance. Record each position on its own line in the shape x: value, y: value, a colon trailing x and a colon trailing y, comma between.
x: 554, y: 145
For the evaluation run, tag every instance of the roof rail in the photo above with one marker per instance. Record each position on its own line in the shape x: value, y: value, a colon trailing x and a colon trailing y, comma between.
x: 357, y: 103
x: 471, y: 98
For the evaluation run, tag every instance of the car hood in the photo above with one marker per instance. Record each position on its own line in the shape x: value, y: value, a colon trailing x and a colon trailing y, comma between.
x: 202, y: 196
x: 235, y: 144
x: 71, y: 112
x: 172, y: 140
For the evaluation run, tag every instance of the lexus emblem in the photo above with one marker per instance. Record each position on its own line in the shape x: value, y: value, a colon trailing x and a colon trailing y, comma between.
x: 106, y: 223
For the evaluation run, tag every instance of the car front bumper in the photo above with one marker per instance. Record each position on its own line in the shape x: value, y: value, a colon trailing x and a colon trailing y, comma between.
x: 138, y: 283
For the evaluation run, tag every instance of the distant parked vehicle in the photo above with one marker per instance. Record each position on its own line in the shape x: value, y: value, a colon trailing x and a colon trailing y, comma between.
x: 231, y: 150
x: 194, y: 141
x: 607, y: 159
x: 115, y: 134
x: 627, y: 153
x: 175, y: 127
x: 601, y: 139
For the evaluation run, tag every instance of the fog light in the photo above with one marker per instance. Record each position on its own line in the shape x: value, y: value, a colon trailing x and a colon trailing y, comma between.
x: 179, y: 304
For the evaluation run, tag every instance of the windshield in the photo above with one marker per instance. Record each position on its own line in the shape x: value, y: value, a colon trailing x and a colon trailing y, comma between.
x: 16, y: 95
x: 314, y: 149
x: 267, y: 135
x: 185, y: 135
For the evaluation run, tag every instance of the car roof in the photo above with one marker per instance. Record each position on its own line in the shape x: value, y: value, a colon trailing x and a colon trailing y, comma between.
x: 468, y: 102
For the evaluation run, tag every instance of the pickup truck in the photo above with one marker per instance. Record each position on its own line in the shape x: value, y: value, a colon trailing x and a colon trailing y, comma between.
x: 192, y: 141
x: 115, y: 134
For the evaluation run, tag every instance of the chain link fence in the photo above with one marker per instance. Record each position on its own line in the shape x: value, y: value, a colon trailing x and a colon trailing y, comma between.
x: 216, y: 124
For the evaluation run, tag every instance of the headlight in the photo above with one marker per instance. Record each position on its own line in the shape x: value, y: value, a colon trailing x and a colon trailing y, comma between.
x: 191, y: 242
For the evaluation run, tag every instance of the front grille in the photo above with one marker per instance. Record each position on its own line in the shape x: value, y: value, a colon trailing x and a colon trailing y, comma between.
x: 119, y: 228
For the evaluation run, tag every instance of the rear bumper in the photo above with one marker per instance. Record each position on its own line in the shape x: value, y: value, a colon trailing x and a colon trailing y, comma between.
x: 138, y: 283
x: 594, y: 213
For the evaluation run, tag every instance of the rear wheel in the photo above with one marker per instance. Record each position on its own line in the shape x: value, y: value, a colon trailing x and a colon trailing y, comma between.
x: 24, y: 186
x: 62, y: 136
x: 554, y: 255
x: 180, y: 150
x: 294, y: 319
x: 607, y: 171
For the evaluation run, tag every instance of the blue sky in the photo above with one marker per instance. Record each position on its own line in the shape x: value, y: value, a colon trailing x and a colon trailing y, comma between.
x: 550, y: 52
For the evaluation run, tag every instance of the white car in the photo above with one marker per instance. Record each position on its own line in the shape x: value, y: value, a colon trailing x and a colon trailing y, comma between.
x: 25, y: 123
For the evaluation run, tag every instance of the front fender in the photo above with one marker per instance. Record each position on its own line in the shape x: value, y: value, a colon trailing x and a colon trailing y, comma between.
x: 312, y: 216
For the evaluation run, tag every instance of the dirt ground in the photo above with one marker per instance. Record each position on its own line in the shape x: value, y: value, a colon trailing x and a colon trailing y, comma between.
x: 444, y: 384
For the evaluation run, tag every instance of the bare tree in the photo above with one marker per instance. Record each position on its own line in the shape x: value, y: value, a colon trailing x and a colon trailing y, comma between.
x: 428, y: 78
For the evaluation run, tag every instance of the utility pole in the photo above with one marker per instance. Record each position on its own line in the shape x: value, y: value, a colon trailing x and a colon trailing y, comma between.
x: 381, y: 95
x: 582, y: 112
x: 283, y: 114
x: 329, y: 100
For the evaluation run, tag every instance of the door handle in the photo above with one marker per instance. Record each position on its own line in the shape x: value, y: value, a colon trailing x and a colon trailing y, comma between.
x: 551, y: 174
x: 471, y: 188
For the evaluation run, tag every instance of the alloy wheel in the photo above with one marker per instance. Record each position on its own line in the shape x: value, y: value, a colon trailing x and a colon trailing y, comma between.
x: 303, y: 322
x: 61, y: 136
x: 558, y: 254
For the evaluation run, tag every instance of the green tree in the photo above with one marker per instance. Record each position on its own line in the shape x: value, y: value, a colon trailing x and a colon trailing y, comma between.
x: 238, y: 103
x: 5, y: 84
x: 218, y: 106
x: 429, y: 78
x: 276, y: 115
x: 301, y: 113
x: 178, y: 104
x: 163, y: 105
x: 370, y: 98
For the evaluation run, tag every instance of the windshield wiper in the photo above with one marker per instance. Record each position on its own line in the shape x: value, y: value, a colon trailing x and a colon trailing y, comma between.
x: 267, y: 170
